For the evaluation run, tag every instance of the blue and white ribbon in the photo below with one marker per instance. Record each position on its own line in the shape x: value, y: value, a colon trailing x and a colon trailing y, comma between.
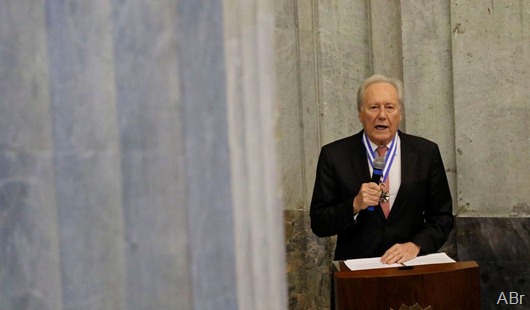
x: 389, y: 158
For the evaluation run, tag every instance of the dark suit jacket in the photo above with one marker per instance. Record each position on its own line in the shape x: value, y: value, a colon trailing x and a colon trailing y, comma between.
x: 421, y: 213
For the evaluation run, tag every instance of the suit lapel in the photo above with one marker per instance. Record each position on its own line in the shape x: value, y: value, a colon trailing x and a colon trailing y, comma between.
x: 408, y: 157
x: 359, y: 161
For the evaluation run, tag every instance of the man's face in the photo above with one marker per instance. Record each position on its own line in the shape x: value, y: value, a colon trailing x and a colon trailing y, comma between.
x: 380, y: 112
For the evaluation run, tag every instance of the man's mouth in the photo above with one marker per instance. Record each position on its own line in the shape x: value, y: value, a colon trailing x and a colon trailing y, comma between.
x: 381, y: 127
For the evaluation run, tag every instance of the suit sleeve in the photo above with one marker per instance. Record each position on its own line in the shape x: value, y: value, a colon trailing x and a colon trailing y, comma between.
x: 330, y: 214
x: 438, y: 216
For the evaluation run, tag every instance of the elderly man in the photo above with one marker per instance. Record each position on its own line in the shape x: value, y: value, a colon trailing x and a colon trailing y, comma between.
x: 409, y: 212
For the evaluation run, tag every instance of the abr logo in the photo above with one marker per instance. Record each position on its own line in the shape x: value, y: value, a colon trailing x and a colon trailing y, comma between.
x: 514, y: 299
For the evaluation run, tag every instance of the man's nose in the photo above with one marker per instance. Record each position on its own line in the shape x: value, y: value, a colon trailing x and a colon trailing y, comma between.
x: 382, y: 113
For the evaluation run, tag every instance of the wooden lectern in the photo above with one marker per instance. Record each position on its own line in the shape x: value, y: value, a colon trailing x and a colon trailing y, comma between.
x: 442, y: 286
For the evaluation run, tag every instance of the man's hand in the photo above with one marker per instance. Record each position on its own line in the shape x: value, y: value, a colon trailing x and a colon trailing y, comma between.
x: 368, y: 196
x: 400, y: 253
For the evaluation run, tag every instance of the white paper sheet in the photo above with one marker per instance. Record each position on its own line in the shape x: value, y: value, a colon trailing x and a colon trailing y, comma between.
x: 368, y: 263
x: 375, y: 262
x: 436, y: 258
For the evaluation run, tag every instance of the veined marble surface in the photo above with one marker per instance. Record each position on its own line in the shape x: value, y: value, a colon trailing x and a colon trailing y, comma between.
x: 501, y: 247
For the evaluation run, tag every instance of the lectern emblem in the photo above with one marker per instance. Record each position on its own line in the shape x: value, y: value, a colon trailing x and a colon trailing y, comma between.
x: 415, y: 307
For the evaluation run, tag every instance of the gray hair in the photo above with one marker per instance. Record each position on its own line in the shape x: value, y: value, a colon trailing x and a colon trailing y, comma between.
x: 378, y: 78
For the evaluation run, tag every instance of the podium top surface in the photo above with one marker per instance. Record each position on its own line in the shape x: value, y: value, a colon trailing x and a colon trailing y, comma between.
x: 342, y: 271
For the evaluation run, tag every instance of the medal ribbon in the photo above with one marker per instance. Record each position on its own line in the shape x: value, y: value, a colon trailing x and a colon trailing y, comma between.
x: 389, y: 159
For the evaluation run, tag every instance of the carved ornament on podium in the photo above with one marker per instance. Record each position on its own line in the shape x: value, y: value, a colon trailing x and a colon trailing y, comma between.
x: 415, y: 307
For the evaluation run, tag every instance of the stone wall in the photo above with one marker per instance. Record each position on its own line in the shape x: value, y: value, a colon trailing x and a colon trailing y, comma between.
x: 465, y: 69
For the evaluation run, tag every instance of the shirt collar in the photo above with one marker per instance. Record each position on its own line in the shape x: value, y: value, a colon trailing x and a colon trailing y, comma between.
x: 375, y: 146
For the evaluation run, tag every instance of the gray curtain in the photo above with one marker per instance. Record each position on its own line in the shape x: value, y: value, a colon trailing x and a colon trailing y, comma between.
x: 92, y: 188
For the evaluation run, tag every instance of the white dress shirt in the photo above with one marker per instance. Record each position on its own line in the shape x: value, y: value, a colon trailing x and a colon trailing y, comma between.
x: 395, y: 170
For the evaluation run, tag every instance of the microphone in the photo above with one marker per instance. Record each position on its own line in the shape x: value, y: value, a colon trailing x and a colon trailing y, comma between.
x: 379, y: 165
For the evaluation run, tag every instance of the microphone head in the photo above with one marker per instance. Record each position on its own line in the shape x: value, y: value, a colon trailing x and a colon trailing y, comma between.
x: 379, y: 163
